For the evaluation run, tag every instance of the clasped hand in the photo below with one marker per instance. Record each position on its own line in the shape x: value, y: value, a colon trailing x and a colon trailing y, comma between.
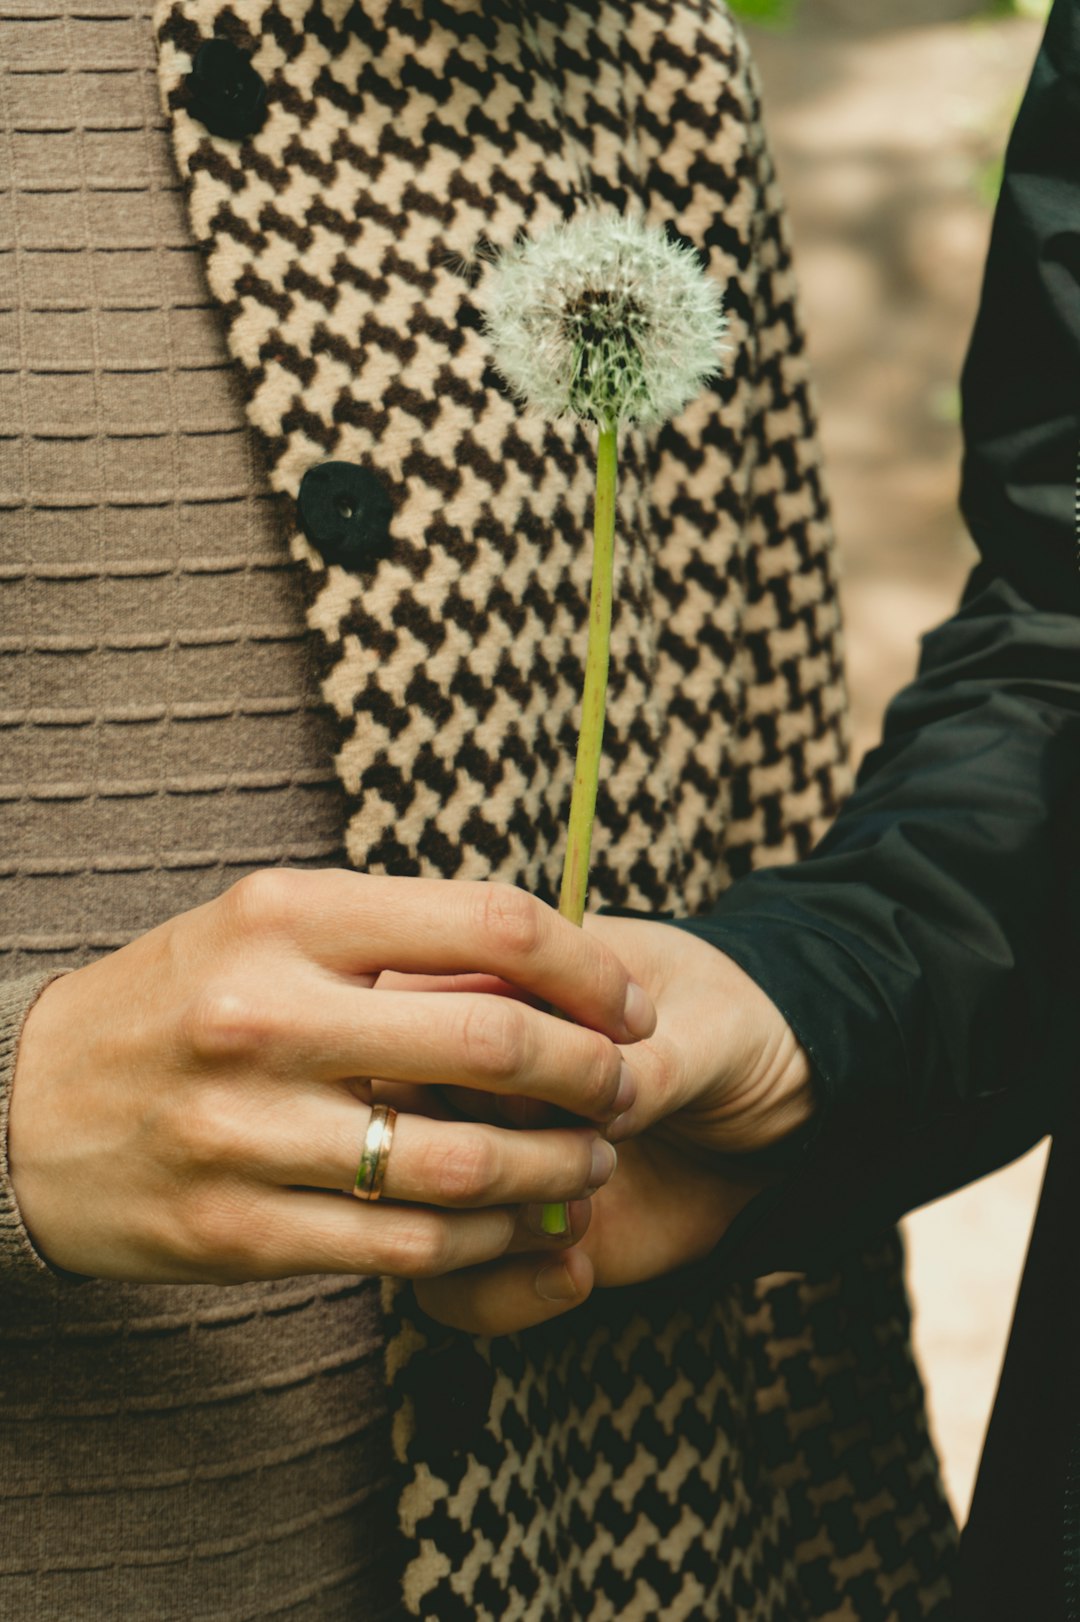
x: 720, y: 1073
x: 191, y: 1107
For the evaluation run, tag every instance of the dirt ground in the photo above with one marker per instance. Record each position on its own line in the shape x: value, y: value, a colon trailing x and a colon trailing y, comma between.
x: 888, y: 121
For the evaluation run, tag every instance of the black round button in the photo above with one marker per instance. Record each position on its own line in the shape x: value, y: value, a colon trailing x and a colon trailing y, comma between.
x: 224, y: 91
x: 345, y: 513
x: 451, y: 1391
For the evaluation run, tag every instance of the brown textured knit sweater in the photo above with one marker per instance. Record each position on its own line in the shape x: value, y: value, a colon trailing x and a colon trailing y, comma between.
x: 166, y: 1452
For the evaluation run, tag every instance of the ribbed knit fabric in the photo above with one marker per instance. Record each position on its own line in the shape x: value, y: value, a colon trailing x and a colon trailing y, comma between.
x: 20, y: 1262
x: 164, y: 1452
x: 158, y: 725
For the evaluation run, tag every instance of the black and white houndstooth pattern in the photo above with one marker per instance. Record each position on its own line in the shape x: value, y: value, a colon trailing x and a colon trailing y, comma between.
x: 627, y: 1469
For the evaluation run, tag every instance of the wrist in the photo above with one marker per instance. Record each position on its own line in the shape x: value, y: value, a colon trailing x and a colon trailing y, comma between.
x: 21, y: 1257
x: 763, y: 1099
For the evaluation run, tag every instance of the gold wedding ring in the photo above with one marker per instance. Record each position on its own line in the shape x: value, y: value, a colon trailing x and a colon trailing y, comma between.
x: 371, y: 1173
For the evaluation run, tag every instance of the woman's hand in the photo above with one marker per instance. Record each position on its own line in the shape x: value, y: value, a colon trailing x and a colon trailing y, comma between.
x: 192, y: 1107
x: 722, y: 1072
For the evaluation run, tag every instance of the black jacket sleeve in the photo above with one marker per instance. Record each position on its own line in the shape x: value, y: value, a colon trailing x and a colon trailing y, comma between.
x: 923, y: 952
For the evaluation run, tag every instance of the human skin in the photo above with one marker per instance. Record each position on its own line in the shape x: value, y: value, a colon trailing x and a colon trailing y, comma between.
x: 191, y: 1107
x: 722, y: 1072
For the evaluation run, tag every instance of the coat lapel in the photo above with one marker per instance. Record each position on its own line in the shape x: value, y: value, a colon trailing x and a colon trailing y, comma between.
x: 343, y: 243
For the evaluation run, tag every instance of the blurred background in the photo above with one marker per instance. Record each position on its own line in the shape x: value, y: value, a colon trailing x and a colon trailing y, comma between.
x: 888, y: 121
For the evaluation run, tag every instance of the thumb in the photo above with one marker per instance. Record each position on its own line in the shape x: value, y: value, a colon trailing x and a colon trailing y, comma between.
x: 513, y: 1293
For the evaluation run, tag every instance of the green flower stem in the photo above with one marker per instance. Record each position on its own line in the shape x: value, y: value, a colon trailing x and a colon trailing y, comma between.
x: 575, y: 877
x: 555, y: 1218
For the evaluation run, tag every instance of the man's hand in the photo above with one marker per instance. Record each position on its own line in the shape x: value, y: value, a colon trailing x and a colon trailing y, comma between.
x: 191, y: 1108
x: 660, y: 1211
x: 721, y: 1073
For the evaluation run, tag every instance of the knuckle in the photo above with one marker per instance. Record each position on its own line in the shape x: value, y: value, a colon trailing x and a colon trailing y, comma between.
x: 208, y: 1134
x: 425, y: 1248
x: 464, y: 1171
x: 263, y: 900
x: 224, y: 1022
x: 510, y: 920
x: 218, y: 1236
x: 493, y: 1039
x: 193, y: 1138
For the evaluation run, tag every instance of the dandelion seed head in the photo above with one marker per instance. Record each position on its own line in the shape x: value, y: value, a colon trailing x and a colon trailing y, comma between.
x: 604, y: 318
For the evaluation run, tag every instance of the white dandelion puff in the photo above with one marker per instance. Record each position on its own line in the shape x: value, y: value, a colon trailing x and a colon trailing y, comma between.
x: 605, y: 318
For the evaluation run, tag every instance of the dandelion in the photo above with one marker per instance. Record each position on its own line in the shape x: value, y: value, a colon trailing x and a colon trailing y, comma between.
x: 611, y: 321
x: 605, y: 319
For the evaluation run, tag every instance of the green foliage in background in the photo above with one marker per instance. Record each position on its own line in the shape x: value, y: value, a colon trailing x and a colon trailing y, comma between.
x: 773, y: 13
x: 988, y: 176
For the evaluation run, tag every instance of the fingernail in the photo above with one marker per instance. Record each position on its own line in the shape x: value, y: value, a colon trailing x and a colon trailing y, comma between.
x: 555, y: 1284
x: 627, y: 1090
x: 604, y: 1161
x: 639, y: 1015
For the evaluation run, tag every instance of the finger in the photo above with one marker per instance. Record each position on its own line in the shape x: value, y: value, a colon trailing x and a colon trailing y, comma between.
x: 510, y: 1294
x: 391, y: 980
x: 456, y: 1164
x: 288, y: 1232
x: 359, y: 923
x: 493, y: 1044
x: 467, y: 1103
x: 410, y: 1100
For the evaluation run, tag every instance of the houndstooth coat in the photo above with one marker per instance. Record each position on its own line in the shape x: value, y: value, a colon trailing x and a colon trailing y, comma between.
x: 691, y: 1449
